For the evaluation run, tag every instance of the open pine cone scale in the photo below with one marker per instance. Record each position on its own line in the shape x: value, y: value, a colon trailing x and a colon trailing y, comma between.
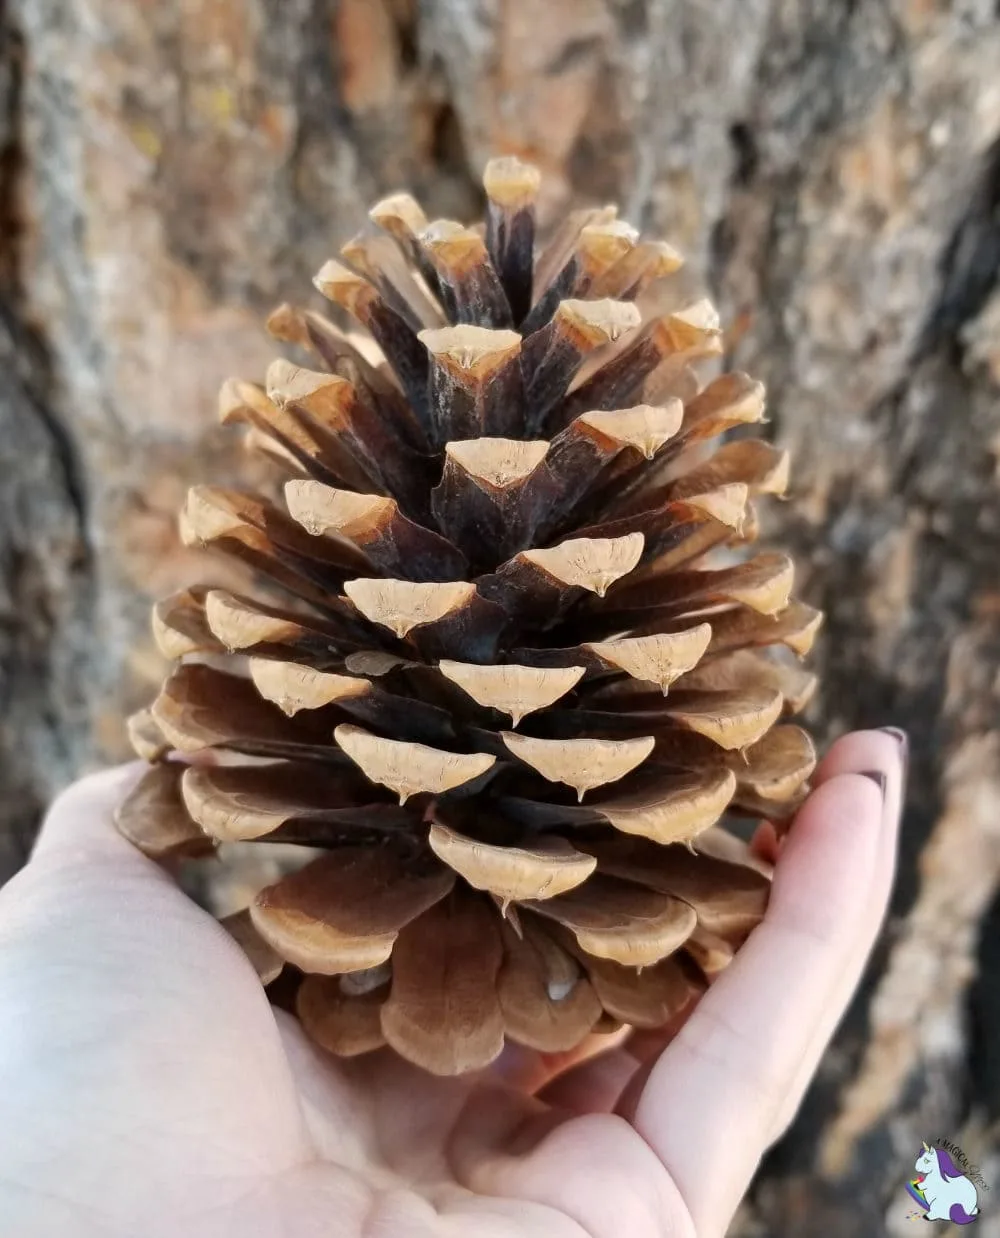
x: 504, y: 663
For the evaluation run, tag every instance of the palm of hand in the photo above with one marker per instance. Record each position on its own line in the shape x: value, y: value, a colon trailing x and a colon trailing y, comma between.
x: 149, y: 1088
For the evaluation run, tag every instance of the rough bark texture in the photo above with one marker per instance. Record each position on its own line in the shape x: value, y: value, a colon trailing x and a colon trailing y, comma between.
x: 832, y: 168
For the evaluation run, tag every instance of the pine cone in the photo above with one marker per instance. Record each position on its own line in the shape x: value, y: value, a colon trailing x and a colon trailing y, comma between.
x: 500, y: 665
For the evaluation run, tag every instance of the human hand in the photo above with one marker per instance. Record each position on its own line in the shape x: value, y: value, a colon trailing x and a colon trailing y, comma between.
x: 147, y: 1087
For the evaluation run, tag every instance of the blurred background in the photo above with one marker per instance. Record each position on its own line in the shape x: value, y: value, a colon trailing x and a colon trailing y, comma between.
x: 170, y: 171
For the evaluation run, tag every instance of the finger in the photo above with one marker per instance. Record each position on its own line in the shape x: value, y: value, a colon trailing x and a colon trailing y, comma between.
x: 732, y: 1064
x: 593, y: 1086
x: 80, y: 857
x: 590, y: 1174
x: 765, y: 844
x: 530, y: 1070
x: 601, y: 1086
x: 81, y: 818
x: 854, y: 753
x: 82, y: 868
x: 860, y: 752
x: 597, y: 1085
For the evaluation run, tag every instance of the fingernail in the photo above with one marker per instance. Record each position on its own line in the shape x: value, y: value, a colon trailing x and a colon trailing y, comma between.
x: 877, y: 777
x: 903, y: 740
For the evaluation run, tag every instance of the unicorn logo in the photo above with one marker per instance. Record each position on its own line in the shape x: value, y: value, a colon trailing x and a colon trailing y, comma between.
x: 942, y: 1190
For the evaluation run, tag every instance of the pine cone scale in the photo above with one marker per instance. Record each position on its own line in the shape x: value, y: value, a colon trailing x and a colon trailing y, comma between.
x: 547, y: 1004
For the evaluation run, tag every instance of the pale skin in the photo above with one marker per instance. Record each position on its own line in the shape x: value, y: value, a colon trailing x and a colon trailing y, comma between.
x: 147, y: 1088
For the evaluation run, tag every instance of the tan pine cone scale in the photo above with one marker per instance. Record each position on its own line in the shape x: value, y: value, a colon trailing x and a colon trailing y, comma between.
x: 506, y: 659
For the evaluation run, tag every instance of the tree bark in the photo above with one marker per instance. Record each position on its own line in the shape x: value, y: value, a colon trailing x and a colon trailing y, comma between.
x: 831, y: 168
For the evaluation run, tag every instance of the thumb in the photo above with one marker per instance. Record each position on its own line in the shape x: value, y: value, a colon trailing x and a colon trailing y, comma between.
x: 80, y: 821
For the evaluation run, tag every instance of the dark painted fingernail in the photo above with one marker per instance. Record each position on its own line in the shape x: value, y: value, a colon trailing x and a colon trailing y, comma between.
x: 877, y: 777
x: 903, y: 740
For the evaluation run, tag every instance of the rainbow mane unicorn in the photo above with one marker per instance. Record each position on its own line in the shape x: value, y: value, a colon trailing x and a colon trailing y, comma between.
x: 943, y: 1192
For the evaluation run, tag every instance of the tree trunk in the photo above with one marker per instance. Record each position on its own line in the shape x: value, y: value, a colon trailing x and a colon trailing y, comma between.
x: 831, y: 168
